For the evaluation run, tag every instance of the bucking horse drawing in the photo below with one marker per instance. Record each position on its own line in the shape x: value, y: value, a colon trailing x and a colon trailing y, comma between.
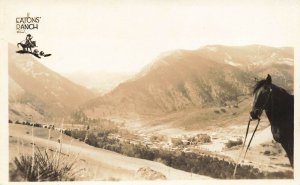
x: 27, y: 46
x: 279, y: 107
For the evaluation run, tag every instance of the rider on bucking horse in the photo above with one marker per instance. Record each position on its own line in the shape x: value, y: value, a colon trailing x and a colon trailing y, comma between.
x: 28, y: 40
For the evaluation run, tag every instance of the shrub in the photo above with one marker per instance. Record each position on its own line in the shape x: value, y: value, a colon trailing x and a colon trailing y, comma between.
x: 68, y: 132
x: 78, y: 134
x: 223, y: 110
x: 203, y: 138
x: 267, y: 152
x: 92, y: 140
x: 44, y: 167
x: 231, y: 143
x: 177, y: 142
x: 158, y: 138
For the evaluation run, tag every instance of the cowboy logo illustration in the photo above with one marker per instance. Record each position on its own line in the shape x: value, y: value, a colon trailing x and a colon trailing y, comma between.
x: 28, y: 46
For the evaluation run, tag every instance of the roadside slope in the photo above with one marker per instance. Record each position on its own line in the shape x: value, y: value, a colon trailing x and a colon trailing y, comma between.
x: 108, y: 159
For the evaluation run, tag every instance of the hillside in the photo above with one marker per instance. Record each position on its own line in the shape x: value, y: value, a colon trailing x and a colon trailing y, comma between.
x: 210, y: 76
x: 95, y: 163
x: 38, y: 91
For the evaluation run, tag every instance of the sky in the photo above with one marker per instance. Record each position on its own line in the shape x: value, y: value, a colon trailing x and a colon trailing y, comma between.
x: 124, y: 36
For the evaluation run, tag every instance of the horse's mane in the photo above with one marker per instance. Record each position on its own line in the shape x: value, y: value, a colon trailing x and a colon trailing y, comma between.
x: 258, y: 85
x: 261, y: 83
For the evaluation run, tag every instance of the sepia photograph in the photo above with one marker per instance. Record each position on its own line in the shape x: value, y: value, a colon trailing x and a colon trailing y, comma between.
x: 139, y: 91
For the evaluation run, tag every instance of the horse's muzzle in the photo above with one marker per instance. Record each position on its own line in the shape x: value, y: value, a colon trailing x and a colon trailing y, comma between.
x: 255, y: 114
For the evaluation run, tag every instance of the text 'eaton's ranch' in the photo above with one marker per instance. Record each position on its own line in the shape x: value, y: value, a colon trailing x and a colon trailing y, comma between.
x: 27, y: 23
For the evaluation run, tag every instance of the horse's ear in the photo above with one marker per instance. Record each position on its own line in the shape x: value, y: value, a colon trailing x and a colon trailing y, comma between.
x: 269, y: 79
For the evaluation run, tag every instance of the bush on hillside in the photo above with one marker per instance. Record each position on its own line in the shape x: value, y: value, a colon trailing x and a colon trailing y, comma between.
x: 45, y: 166
x: 232, y: 143
x: 176, y: 142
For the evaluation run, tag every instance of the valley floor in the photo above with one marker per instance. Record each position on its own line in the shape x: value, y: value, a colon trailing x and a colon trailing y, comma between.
x: 264, y: 153
x: 100, y: 164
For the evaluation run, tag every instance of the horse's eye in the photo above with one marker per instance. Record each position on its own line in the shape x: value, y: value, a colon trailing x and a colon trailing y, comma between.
x: 266, y: 89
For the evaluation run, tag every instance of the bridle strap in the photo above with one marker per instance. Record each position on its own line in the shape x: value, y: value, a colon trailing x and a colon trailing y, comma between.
x: 251, y: 138
x: 250, y: 119
x: 240, y: 154
x: 264, y: 106
x: 238, y: 161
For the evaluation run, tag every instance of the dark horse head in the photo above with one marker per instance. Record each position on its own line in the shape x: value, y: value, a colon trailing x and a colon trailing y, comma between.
x: 279, y: 107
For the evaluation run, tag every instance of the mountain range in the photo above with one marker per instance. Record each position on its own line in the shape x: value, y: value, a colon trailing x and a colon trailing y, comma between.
x: 176, y: 82
x: 213, y: 75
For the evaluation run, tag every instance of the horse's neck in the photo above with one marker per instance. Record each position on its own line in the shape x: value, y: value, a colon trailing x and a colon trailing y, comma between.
x: 280, y: 108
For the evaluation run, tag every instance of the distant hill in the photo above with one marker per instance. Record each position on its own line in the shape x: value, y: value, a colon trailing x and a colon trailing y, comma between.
x: 99, y: 81
x: 213, y: 75
x: 38, y: 91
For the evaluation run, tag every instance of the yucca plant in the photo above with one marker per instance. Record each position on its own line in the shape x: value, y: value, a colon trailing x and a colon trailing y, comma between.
x: 46, y: 167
